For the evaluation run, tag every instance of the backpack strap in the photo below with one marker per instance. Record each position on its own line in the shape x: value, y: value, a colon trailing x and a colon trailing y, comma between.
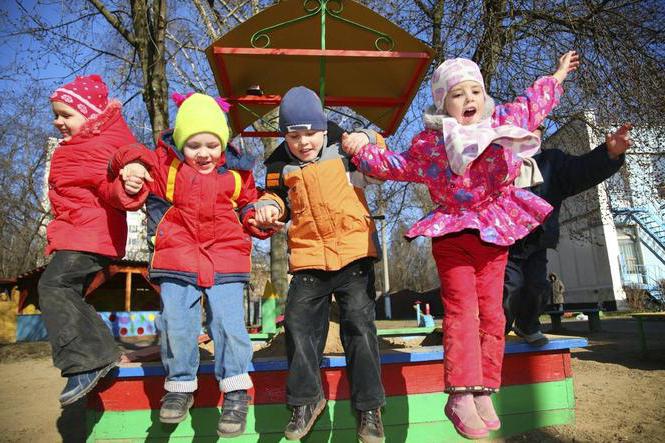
x: 238, y: 187
x: 170, y: 179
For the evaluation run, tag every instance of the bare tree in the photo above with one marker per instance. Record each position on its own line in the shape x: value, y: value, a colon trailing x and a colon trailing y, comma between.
x: 24, y: 152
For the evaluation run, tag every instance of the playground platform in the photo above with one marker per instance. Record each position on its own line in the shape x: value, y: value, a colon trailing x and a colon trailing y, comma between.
x: 537, y: 391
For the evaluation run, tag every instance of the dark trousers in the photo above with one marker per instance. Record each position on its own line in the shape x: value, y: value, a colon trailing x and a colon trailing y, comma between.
x: 79, y: 339
x: 306, y: 321
x: 525, y: 291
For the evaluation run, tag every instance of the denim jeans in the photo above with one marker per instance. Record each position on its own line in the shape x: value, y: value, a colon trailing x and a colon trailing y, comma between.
x: 79, y: 339
x: 179, y: 326
x: 525, y: 291
x: 306, y: 320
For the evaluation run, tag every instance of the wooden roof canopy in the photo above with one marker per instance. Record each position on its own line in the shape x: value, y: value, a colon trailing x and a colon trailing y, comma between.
x: 346, y: 52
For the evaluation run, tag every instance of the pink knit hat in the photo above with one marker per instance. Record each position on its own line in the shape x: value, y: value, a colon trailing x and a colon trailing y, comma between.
x: 87, y: 95
x: 451, y: 72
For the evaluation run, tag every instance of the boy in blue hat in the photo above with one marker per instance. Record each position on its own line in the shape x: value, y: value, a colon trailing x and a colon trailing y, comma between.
x: 333, y: 246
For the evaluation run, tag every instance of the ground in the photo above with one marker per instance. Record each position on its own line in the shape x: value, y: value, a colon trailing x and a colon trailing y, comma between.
x: 620, y: 396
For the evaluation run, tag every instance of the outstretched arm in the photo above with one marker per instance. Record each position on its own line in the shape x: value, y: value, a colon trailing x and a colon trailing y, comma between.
x: 530, y: 110
x: 579, y: 173
x: 409, y: 166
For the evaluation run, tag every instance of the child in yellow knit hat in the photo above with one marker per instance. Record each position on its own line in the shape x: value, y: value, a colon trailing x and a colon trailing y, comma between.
x: 200, y: 196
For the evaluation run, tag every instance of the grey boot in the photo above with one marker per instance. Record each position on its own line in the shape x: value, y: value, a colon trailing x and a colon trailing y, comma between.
x: 234, y: 414
x: 175, y: 406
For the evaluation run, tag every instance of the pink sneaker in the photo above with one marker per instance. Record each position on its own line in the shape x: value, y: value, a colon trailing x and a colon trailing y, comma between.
x: 486, y: 411
x: 461, y: 411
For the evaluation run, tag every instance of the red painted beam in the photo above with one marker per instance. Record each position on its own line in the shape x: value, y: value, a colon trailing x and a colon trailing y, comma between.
x: 269, y: 387
x: 274, y: 100
x: 322, y: 53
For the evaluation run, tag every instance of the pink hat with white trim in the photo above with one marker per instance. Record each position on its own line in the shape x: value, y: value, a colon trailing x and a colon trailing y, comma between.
x: 86, y: 94
x: 451, y: 72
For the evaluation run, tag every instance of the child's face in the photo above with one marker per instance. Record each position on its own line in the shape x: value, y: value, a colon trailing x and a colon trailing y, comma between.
x: 67, y: 120
x: 465, y: 102
x: 202, y: 152
x: 305, y: 145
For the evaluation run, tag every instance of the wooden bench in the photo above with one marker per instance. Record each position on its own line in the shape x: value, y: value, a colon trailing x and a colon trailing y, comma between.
x: 644, y: 317
x: 593, y: 315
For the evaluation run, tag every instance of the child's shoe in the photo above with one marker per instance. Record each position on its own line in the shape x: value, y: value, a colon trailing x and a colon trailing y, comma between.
x: 486, y: 411
x: 234, y: 414
x: 461, y: 410
x: 79, y: 385
x: 175, y: 406
x: 302, y: 419
x: 535, y: 339
x: 371, y: 426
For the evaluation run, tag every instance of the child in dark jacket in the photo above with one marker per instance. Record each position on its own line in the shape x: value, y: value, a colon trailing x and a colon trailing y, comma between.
x: 526, y: 286
x: 86, y: 233
x: 200, y: 196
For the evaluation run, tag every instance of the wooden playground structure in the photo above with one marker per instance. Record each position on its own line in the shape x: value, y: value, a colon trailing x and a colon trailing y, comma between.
x: 357, y: 60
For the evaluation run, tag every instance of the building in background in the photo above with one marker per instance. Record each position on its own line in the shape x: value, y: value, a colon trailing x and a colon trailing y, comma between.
x: 613, y: 235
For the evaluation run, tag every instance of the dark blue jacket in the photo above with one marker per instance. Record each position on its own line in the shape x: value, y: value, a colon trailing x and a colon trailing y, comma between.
x: 564, y: 175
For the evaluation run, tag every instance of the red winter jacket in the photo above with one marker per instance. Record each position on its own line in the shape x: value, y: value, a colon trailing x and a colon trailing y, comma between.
x: 197, y: 223
x: 83, y: 201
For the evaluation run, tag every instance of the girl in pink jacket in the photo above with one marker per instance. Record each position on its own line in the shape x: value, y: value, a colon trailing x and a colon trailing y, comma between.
x: 469, y: 156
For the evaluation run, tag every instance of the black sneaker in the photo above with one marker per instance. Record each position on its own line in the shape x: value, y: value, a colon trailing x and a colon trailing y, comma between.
x: 302, y: 419
x: 234, y: 414
x: 79, y: 385
x: 371, y: 426
x: 175, y: 406
x: 535, y: 339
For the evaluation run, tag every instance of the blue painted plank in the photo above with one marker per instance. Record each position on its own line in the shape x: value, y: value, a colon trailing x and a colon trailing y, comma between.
x: 425, y: 353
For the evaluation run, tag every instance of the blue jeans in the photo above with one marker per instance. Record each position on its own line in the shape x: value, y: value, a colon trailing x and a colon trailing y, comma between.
x: 180, y: 324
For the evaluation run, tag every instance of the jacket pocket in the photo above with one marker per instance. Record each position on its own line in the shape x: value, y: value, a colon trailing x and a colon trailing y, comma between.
x: 297, y: 198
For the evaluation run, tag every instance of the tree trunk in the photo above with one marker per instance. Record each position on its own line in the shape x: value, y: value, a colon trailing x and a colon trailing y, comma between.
x: 149, y: 20
x: 278, y: 260
x: 494, y: 39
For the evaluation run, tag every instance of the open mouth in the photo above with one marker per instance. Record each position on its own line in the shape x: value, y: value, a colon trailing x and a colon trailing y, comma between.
x: 468, y: 113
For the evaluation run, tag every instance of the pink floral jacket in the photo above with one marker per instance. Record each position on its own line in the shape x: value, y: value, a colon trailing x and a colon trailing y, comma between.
x: 484, y: 197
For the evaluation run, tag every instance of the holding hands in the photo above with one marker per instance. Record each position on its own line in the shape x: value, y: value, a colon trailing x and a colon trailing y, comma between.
x: 351, y: 143
x: 568, y: 63
x: 134, y: 175
x: 619, y: 141
x: 266, y: 217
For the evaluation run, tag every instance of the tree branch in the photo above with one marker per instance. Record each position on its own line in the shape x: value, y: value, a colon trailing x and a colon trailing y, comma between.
x: 114, y: 21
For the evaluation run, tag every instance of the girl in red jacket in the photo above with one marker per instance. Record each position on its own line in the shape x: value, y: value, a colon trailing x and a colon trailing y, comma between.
x: 200, y: 197
x: 88, y: 229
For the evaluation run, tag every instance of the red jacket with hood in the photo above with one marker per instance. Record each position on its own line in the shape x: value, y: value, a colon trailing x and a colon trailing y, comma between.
x: 89, y: 215
x: 197, y: 223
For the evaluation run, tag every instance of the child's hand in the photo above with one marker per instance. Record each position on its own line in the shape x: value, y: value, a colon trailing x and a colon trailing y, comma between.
x: 568, y: 63
x: 619, y: 141
x: 351, y: 143
x: 133, y: 185
x: 266, y: 217
x: 133, y: 175
x: 136, y: 170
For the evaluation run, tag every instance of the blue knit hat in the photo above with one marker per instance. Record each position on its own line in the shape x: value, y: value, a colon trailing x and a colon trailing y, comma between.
x: 301, y: 110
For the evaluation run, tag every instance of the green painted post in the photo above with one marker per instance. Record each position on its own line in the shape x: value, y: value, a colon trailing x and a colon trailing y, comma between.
x: 322, y: 75
x: 269, y: 309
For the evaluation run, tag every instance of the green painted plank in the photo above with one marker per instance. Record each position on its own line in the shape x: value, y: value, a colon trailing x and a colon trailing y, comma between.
x: 266, y: 419
x: 404, y: 331
x: 431, y: 432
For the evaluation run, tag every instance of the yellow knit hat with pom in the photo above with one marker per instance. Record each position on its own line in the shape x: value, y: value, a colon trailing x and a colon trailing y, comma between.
x: 200, y: 113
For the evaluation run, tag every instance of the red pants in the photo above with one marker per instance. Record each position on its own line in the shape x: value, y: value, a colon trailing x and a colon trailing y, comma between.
x: 471, y: 273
